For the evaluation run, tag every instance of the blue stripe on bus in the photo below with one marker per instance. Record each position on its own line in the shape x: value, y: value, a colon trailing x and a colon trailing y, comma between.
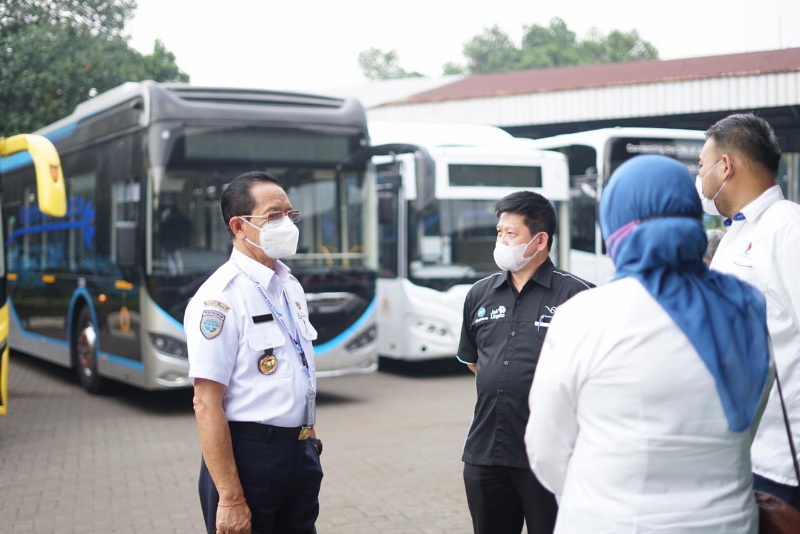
x: 79, y: 292
x: 168, y: 317
x: 23, y: 159
x: 329, y: 345
x: 113, y: 358
x: 14, y: 161
x: 13, y: 314
x: 341, y: 338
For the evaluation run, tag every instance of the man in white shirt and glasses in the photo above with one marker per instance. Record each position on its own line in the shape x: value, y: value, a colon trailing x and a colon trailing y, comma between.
x: 738, y: 179
x: 251, y: 359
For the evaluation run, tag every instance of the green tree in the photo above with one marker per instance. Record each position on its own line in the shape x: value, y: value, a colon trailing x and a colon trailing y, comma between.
x: 451, y: 67
x: 616, y: 47
x: 56, y: 54
x: 554, y: 45
x: 549, y: 46
x: 379, y: 65
x: 492, y: 51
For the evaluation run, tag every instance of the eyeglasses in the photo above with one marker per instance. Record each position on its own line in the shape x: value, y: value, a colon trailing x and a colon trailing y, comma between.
x: 275, y: 216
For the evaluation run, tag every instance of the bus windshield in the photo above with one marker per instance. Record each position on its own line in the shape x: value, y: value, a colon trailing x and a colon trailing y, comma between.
x: 452, y: 243
x: 190, y: 240
x: 189, y: 235
x: 621, y: 149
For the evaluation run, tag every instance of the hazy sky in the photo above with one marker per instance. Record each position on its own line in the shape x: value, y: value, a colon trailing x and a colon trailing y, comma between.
x: 314, y: 44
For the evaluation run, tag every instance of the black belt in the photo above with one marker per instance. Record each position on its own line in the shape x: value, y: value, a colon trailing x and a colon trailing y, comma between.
x: 269, y: 431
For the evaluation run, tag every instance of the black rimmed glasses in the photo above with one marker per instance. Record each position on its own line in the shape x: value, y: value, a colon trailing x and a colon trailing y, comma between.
x: 276, y: 216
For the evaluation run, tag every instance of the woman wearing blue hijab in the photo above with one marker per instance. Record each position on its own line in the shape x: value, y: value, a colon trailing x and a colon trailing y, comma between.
x: 649, y: 389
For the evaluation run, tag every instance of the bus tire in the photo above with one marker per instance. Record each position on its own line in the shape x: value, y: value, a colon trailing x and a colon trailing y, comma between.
x: 85, y: 353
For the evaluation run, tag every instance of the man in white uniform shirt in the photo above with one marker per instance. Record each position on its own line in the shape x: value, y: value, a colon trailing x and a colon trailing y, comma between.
x: 738, y: 172
x: 252, y: 363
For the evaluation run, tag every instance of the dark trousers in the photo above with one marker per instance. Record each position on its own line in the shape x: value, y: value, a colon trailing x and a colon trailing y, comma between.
x: 500, y: 497
x: 281, y: 481
x: 782, y: 491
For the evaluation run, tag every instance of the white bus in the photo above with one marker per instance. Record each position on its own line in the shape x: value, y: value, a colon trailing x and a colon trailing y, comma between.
x: 437, y: 187
x: 593, y: 156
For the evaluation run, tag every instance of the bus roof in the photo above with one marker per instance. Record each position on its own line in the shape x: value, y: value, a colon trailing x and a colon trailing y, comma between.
x: 176, y: 101
x: 457, y: 139
x: 600, y: 136
x: 436, y: 135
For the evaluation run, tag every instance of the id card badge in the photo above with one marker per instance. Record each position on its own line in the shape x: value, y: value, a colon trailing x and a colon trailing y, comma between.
x: 311, y: 407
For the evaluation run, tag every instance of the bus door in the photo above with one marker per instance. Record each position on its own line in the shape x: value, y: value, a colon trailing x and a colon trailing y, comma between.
x: 396, y: 181
x: 398, y: 172
x: 390, y: 192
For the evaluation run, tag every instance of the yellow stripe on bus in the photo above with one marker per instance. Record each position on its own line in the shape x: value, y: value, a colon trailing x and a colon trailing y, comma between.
x: 48, y: 278
x: 122, y: 284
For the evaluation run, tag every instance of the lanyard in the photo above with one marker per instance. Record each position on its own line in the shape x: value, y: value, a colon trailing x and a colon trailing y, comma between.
x: 278, y: 315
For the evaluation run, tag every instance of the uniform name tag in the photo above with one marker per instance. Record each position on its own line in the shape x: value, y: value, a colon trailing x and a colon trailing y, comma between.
x: 267, y: 317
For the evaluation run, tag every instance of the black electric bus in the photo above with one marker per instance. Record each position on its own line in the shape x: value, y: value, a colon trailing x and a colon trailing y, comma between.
x: 103, y: 290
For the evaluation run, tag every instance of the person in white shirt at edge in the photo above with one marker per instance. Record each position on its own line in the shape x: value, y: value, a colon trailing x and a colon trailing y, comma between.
x: 649, y: 388
x: 738, y: 171
x: 252, y: 363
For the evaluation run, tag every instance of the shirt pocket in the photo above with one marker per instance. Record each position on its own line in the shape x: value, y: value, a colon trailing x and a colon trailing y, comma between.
x: 307, y: 330
x: 265, y: 338
x: 743, y: 268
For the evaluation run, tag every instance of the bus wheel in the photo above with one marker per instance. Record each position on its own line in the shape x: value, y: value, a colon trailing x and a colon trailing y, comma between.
x: 86, y: 353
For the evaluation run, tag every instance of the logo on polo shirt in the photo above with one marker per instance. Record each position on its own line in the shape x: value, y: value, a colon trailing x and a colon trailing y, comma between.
x: 499, y: 313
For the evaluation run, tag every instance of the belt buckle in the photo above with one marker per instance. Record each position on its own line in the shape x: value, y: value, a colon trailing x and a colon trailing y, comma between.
x: 305, y: 431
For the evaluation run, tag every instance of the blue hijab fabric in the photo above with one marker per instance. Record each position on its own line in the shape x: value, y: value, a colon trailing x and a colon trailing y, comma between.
x: 651, y: 218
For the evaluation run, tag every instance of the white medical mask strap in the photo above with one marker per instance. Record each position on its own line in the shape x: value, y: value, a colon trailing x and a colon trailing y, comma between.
x: 254, y: 244
x: 257, y: 228
x: 718, y: 190
x: 535, y: 252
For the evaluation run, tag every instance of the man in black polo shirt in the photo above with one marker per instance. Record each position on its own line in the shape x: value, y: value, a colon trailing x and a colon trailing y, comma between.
x: 505, y: 320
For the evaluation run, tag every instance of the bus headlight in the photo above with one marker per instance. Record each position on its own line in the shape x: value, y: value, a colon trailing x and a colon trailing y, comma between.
x: 169, y: 346
x: 427, y: 327
x: 364, y: 339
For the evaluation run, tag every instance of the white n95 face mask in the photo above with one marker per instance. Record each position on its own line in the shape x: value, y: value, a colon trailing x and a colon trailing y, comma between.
x: 510, y: 257
x: 277, y: 240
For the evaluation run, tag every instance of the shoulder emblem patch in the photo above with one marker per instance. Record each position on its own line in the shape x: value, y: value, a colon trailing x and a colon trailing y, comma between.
x: 211, y: 323
x: 217, y: 304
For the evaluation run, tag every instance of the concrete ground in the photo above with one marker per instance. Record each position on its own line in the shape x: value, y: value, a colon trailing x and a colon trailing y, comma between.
x: 127, y: 462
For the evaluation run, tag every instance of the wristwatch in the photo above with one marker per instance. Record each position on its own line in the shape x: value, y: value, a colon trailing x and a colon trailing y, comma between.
x: 317, y: 443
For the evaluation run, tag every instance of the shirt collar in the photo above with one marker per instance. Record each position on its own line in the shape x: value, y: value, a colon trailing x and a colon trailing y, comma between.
x: 259, y: 271
x: 542, y: 276
x: 752, y: 211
